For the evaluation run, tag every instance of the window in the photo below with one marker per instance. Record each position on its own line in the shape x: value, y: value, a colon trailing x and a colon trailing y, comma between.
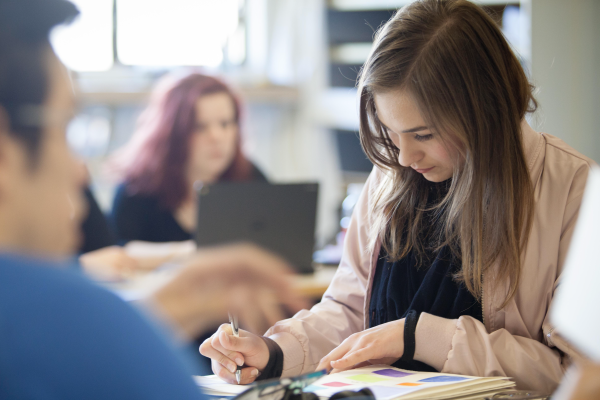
x: 153, y: 33
x: 86, y: 44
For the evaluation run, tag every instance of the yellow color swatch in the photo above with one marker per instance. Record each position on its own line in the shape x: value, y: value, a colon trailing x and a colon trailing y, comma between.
x: 371, y: 378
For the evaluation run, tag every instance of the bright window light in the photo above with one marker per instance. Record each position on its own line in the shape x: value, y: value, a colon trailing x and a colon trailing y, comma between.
x: 236, y: 46
x: 174, y: 32
x: 86, y: 44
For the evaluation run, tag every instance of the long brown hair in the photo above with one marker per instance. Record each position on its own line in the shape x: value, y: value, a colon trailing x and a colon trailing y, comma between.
x: 154, y: 162
x: 470, y: 89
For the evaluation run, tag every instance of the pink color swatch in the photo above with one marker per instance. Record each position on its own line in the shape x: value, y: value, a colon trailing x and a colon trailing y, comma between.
x: 336, y: 384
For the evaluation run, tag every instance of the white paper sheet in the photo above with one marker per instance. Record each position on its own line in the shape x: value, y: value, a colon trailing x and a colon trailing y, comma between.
x: 576, y: 308
x: 213, y: 385
x: 387, y: 383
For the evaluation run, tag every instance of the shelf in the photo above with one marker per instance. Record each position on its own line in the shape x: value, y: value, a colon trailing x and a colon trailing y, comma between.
x: 350, y: 53
x: 251, y: 94
x: 337, y: 108
x: 114, y: 98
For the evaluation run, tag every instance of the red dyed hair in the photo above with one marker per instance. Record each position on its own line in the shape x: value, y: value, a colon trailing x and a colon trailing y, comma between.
x: 155, y: 161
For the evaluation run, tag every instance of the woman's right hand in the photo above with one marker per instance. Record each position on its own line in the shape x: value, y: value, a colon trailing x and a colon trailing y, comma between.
x: 227, y: 352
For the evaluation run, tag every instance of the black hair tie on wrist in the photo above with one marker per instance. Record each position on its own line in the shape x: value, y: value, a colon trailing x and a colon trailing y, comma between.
x: 410, y: 325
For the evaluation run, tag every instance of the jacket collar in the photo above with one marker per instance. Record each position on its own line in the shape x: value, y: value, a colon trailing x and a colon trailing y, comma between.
x: 533, y: 146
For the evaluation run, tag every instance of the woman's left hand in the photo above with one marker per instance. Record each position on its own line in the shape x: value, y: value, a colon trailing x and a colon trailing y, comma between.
x: 383, y: 344
x: 108, y: 264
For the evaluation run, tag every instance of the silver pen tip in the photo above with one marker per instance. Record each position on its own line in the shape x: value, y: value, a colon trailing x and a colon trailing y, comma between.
x: 238, y: 376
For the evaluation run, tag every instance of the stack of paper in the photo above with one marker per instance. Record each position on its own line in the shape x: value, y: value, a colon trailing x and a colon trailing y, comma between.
x: 387, y: 383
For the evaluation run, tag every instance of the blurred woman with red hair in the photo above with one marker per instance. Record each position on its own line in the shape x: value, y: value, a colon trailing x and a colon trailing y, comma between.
x: 189, y: 133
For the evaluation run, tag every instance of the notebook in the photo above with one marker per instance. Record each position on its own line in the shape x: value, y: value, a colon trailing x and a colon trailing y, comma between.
x: 387, y: 383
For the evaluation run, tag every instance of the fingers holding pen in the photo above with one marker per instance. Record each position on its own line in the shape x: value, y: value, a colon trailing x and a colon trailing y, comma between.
x: 218, y: 358
x: 227, y: 352
x: 248, y: 374
x: 213, y: 349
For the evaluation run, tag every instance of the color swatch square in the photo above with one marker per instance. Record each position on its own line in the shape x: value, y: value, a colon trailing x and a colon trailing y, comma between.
x: 409, y: 384
x: 367, y: 378
x: 312, y: 388
x: 444, y: 378
x: 336, y: 384
x: 392, y: 373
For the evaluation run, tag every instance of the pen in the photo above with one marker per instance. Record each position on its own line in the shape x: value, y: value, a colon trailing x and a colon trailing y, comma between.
x: 235, y: 328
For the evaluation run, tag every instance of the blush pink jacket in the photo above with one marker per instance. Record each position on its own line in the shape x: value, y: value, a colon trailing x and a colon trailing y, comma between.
x: 516, y: 341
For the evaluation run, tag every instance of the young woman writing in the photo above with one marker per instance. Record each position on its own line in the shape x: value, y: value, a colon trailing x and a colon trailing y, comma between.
x: 457, y: 244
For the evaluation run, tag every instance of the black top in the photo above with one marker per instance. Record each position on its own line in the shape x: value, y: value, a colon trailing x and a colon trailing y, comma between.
x: 95, y: 229
x: 141, y: 217
x: 404, y: 285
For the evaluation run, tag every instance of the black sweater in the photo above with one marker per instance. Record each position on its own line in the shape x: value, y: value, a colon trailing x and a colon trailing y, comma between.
x: 426, y: 286
x: 405, y: 285
x: 141, y: 217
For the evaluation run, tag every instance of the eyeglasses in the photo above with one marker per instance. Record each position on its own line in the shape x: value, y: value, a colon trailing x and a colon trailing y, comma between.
x: 38, y: 116
x: 294, y: 392
x: 293, y: 389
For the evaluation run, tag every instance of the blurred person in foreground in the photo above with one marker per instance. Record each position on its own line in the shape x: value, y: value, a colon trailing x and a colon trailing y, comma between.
x: 189, y: 133
x: 60, y: 335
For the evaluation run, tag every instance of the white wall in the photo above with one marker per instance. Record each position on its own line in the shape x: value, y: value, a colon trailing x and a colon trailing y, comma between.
x: 565, y: 66
x: 288, y: 142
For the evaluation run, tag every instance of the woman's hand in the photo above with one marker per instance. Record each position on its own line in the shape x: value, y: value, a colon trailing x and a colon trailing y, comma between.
x: 383, y: 344
x: 242, y: 279
x: 227, y: 352
x: 108, y: 264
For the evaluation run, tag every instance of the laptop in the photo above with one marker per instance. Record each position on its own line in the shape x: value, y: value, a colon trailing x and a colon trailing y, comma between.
x: 280, y: 218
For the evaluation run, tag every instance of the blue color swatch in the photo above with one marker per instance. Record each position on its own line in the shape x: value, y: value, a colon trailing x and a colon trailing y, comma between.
x: 444, y: 378
x: 312, y: 388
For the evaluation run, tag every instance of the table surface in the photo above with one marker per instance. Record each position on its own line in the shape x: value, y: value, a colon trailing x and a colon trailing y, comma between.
x: 310, y: 285
x: 315, y: 284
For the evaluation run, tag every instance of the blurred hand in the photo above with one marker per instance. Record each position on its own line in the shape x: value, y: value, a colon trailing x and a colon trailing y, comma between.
x: 588, y: 383
x: 241, y: 279
x: 227, y: 352
x: 151, y: 255
x: 108, y: 264
x: 382, y: 344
